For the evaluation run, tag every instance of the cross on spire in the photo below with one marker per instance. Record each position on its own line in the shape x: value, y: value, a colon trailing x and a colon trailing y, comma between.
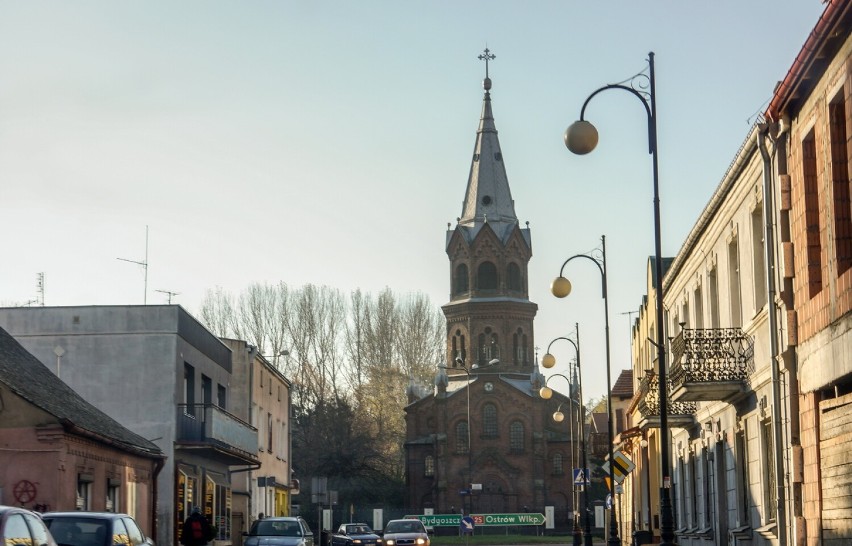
x: 487, y: 56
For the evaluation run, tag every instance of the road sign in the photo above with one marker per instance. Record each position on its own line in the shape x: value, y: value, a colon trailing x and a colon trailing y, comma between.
x: 582, y: 476
x: 608, y: 501
x: 466, y: 526
x: 487, y: 520
x: 621, y: 466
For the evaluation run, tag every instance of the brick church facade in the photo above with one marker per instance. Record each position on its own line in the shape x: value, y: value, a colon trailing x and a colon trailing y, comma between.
x: 482, y: 440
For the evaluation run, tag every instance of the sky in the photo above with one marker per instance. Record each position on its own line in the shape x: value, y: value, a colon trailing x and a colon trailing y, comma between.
x: 329, y: 142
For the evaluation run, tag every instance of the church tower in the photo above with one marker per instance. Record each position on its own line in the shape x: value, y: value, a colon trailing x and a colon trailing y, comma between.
x: 489, y: 316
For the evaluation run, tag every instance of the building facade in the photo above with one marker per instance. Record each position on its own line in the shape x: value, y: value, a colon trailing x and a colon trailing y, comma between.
x: 483, y: 440
x: 160, y: 373
x: 60, y: 453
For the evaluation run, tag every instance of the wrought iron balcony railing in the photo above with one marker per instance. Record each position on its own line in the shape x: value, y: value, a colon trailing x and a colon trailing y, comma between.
x: 678, y: 413
x: 710, y: 363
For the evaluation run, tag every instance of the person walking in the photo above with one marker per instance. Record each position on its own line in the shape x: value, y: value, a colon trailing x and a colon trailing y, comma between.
x: 196, y: 530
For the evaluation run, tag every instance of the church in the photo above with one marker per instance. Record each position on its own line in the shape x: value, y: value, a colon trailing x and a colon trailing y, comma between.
x: 482, y: 440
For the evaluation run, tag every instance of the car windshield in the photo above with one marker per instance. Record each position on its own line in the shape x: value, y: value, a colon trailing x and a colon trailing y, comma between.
x: 358, y: 530
x: 272, y: 528
x: 413, y: 526
x: 79, y: 531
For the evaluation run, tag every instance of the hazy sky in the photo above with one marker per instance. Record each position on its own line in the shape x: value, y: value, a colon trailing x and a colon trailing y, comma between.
x: 330, y: 142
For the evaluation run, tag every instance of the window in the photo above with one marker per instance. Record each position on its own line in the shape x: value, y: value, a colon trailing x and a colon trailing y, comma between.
x: 429, y: 466
x: 840, y: 182
x: 460, y: 281
x: 693, y: 491
x: 269, y: 432
x: 119, y: 533
x: 489, y: 347
x: 519, y: 347
x: 757, y: 259
x: 698, y: 304
x: 558, y: 467
x: 462, y: 444
x: 734, y: 292
x: 514, y: 275
x: 770, y: 500
x: 743, y: 504
x: 188, y: 386
x: 489, y: 420
x: 84, y: 491
x: 486, y: 278
x: 713, y: 296
x: 812, y: 220
x: 113, y: 495
x: 221, y: 396
x: 206, y: 390
x: 516, y: 436
x: 458, y: 348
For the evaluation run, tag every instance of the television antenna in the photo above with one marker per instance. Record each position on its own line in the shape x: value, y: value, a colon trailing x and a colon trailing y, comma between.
x: 144, y: 265
x: 169, y: 294
x: 40, y: 287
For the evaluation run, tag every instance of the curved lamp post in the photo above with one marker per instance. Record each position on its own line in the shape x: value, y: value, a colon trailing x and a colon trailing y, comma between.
x: 581, y: 138
x: 561, y: 287
x: 460, y: 364
x: 548, y: 361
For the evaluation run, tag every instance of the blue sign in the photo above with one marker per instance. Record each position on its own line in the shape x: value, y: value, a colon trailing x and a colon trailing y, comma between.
x: 582, y: 476
x: 466, y: 525
x: 609, y: 501
x: 464, y: 491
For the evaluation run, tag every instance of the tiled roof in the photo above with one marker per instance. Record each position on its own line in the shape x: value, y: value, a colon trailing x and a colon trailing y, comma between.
x: 623, y: 387
x: 27, y: 377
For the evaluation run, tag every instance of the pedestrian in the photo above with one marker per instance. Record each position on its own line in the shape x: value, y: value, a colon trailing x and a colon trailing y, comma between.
x: 196, y: 530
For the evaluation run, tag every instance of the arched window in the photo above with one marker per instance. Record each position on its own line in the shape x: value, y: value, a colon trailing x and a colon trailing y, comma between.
x: 486, y: 276
x: 516, y: 436
x: 458, y: 349
x: 557, y: 464
x: 429, y: 466
x: 489, y: 420
x: 525, y: 350
x: 462, y: 444
x: 489, y: 347
x: 460, y: 283
x: 514, y: 274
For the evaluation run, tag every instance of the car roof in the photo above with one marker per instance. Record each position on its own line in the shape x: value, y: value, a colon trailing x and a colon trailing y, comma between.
x: 4, y: 509
x: 89, y: 515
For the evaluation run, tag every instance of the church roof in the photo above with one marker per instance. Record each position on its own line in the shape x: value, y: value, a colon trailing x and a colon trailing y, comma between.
x: 488, y: 198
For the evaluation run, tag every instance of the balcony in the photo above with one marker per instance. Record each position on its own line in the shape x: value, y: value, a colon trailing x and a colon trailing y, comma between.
x: 712, y: 364
x: 647, y: 401
x: 212, y: 432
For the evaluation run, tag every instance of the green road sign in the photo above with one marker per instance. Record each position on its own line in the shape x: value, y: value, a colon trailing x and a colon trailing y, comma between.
x: 480, y: 520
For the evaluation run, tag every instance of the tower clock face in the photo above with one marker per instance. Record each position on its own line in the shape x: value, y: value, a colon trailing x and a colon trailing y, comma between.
x: 489, y: 386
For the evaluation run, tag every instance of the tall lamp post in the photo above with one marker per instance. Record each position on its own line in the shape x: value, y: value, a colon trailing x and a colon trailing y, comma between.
x: 460, y: 364
x: 581, y: 137
x: 560, y: 288
x: 548, y: 361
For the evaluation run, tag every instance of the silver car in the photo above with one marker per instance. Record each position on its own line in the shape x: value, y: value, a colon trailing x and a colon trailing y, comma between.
x: 405, y: 532
x: 279, y: 531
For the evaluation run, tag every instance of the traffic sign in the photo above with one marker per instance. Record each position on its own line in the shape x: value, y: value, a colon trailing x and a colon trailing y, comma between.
x: 487, y: 520
x: 582, y: 476
x: 466, y: 525
x: 621, y: 466
x: 608, y: 501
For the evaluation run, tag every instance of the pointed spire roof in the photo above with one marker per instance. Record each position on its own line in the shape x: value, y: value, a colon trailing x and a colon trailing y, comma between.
x: 488, y: 198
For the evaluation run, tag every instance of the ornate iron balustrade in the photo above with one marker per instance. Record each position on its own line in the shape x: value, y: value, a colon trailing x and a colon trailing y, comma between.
x: 649, y: 399
x: 711, y: 355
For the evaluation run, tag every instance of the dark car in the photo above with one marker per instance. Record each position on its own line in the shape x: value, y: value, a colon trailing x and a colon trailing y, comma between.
x: 20, y: 527
x: 95, y: 529
x: 279, y: 531
x: 405, y: 532
x: 355, y: 534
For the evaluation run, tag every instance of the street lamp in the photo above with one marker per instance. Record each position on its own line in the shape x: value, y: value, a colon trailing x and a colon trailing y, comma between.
x: 548, y: 361
x: 460, y: 364
x: 560, y: 288
x: 581, y: 138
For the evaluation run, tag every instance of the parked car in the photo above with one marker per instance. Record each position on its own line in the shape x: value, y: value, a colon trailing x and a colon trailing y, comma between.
x: 405, y: 532
x: 95, y: 529
x: 19, y: 527
x: 279, y: 531
x: 355, y: 534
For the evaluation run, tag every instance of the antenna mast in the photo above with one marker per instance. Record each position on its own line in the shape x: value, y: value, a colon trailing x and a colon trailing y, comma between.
x: 169, y: 294
x: 40, y: 287
x: 144, y: 265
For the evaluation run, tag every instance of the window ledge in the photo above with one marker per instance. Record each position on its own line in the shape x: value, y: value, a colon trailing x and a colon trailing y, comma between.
x: 741, y: 533
x: 768, y: 531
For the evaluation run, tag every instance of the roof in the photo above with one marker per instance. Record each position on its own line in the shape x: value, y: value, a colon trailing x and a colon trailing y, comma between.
x: 23, y: 374
x: 623, y: 387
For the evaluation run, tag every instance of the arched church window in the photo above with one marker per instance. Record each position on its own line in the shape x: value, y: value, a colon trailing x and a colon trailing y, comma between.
x: 488, y: 347
x: 460, y: 282
x: 514, y: 274
x: 429, y: 466
x: 489, y: 420
x: 516, y: 436
x: 558, y: 467
x: 486, y: 276
x: 458, y: 349
x: 525, y: 350
x: 462, y: 445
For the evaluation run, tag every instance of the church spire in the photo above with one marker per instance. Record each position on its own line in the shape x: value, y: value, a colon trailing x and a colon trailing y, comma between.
x: 488, y: 198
